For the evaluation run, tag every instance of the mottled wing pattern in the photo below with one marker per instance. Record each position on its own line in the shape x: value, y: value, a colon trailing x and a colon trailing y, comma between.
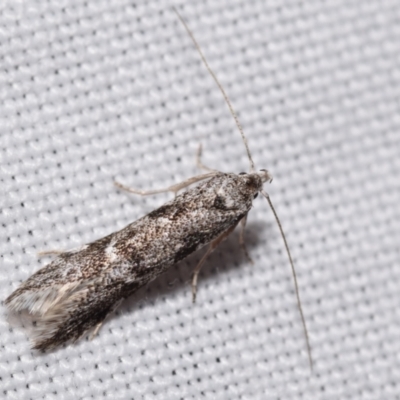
x: 76, y: 291
x: 64, y: 309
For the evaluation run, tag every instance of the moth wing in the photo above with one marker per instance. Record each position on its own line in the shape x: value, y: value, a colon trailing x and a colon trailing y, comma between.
x: 64, y: 311
x: 75, y: 314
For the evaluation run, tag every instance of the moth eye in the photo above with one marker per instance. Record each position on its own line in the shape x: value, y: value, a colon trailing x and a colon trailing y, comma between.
x: 243, y: 173
x: 255, y: 196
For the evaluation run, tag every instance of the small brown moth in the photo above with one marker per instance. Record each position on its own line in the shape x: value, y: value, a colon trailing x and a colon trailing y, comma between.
x: 79, y: 288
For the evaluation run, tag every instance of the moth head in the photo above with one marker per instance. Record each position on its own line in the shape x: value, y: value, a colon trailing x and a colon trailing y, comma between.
x: 253, y: 181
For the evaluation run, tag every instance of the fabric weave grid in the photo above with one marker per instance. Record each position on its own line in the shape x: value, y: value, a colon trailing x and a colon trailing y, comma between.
x: 93, y: 91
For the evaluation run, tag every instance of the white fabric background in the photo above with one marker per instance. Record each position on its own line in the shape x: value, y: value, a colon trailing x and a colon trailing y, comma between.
x: 93, y: 91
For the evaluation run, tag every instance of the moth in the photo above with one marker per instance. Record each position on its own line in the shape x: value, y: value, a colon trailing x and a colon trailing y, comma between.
x: 75, y: 292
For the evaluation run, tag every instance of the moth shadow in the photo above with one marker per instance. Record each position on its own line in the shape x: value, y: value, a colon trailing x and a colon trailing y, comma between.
x: 227, y: 256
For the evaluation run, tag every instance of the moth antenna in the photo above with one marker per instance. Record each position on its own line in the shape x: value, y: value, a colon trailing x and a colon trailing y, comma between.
x: 296, y: 286
x: 234, y: 115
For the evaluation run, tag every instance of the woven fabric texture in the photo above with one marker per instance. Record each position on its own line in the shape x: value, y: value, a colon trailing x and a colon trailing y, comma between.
x: 95, y: 91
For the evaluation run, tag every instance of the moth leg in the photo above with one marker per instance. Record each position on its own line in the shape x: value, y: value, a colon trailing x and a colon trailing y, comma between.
x: 100, y: 324
x: 49, y: 253
x: 199, y: 164
x: 241, y: 239
x: 210, y: 249
x: 174, y: 188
